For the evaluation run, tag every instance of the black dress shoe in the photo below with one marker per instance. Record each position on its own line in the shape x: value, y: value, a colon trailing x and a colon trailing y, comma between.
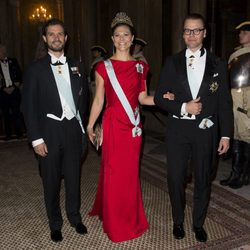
x: 200, y: 234
x: 236, y: 183
x: 178, y: 231
x: 227, y: 181
x: 81, y: 229
x: 56, y: 236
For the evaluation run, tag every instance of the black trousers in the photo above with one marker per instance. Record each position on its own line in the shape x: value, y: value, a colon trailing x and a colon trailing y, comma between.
x: 64, y: 143
x: 10, y: 105
x: 185, y: 140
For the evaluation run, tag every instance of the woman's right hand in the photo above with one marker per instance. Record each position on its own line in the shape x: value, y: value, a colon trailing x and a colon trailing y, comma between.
x: 95, y: 136
x: 169, y: 96
x: 91, y: 134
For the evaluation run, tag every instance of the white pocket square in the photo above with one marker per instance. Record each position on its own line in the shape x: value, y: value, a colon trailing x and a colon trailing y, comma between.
x: 206, y: 123
x: 215, y: 74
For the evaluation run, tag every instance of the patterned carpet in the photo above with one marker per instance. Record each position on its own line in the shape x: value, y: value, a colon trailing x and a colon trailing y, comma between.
x: 23, y: 218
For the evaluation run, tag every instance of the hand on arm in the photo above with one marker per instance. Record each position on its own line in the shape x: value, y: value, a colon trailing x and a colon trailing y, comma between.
x: 145, y: 99
x: 169, y: 96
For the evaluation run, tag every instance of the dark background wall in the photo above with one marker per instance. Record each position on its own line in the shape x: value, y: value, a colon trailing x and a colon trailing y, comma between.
x: 159, y: 22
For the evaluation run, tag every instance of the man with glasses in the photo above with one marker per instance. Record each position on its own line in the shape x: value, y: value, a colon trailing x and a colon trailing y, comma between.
x: 200, y: 112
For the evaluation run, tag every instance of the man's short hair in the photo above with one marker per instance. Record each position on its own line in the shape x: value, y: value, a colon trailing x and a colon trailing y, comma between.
x: 195, y: 16
x: 53, y: 21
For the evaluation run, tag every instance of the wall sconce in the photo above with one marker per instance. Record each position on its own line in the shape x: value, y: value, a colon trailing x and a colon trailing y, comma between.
x: 40, y: 15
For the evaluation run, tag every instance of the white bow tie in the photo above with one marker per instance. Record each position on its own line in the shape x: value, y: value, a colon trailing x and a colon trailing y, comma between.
x: 196, y: 54
x: 189, y: 54
x: 61, y: 60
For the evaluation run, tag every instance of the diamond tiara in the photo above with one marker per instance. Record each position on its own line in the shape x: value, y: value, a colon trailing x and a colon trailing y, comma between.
x: 121, y: 17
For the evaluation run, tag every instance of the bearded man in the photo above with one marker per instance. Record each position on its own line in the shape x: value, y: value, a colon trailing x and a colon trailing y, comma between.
x: 54, y: 103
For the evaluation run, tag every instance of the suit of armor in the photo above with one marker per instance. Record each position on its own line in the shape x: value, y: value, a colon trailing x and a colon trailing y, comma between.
x: 239, y: 66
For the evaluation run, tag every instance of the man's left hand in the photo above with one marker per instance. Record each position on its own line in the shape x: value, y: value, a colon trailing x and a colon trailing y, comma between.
x: 223, y: 145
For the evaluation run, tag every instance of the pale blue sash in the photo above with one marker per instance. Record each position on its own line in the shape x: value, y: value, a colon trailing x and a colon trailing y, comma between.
x: 134, y: 117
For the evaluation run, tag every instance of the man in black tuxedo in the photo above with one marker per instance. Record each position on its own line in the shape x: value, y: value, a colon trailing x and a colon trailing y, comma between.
x: 55, y: 98
x: 10, y: 96
x: 201, y: 109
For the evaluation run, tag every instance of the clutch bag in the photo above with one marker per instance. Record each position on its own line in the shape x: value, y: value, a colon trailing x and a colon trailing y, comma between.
x: 98, y: 136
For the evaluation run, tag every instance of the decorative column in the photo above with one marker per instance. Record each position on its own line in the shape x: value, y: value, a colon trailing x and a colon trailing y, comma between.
x: 87, y: 34
x: 198, y: 6
x: 70, y: 8
x: 60, y: 10
x: 14, y: 29
x: 179, y: 11
x: 248, y: 10
x: 10, y: 26
x: 3, y: 23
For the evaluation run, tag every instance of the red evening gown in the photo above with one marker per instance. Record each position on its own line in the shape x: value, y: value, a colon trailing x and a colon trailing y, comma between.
x: 118, y: 201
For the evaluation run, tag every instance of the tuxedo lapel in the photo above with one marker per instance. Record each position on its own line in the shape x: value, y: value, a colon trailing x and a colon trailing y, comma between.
x: 51, y: 81
x: 208, y: 74
x: 51, y: 77
x: 181, y: 68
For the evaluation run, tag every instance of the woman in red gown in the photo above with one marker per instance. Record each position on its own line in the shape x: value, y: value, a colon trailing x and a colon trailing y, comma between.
x: 118, y: 201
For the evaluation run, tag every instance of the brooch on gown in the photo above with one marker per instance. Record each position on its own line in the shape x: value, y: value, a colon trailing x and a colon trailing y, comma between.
x: 139, y: 68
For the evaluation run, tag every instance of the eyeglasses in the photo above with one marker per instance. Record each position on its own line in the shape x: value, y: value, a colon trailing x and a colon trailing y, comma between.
x: 194, y: 31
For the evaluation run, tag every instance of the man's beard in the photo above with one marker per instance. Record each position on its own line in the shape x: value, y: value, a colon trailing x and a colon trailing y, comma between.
x: 56, y: 49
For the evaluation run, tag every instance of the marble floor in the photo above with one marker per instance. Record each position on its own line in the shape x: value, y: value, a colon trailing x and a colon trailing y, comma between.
x: 154, y: 145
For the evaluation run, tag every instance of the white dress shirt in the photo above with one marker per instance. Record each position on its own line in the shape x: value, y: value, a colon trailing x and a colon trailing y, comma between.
x: 195, y: 65
x: 66, y: 111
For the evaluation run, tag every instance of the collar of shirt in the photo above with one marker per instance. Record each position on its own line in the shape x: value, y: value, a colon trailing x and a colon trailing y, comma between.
x: 196, y: 54
x: 61, y: 59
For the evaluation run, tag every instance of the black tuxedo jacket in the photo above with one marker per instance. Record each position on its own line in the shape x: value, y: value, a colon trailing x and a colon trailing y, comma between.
x: 15, y: 72
x: 214, y: 91
x: 40, y: 95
